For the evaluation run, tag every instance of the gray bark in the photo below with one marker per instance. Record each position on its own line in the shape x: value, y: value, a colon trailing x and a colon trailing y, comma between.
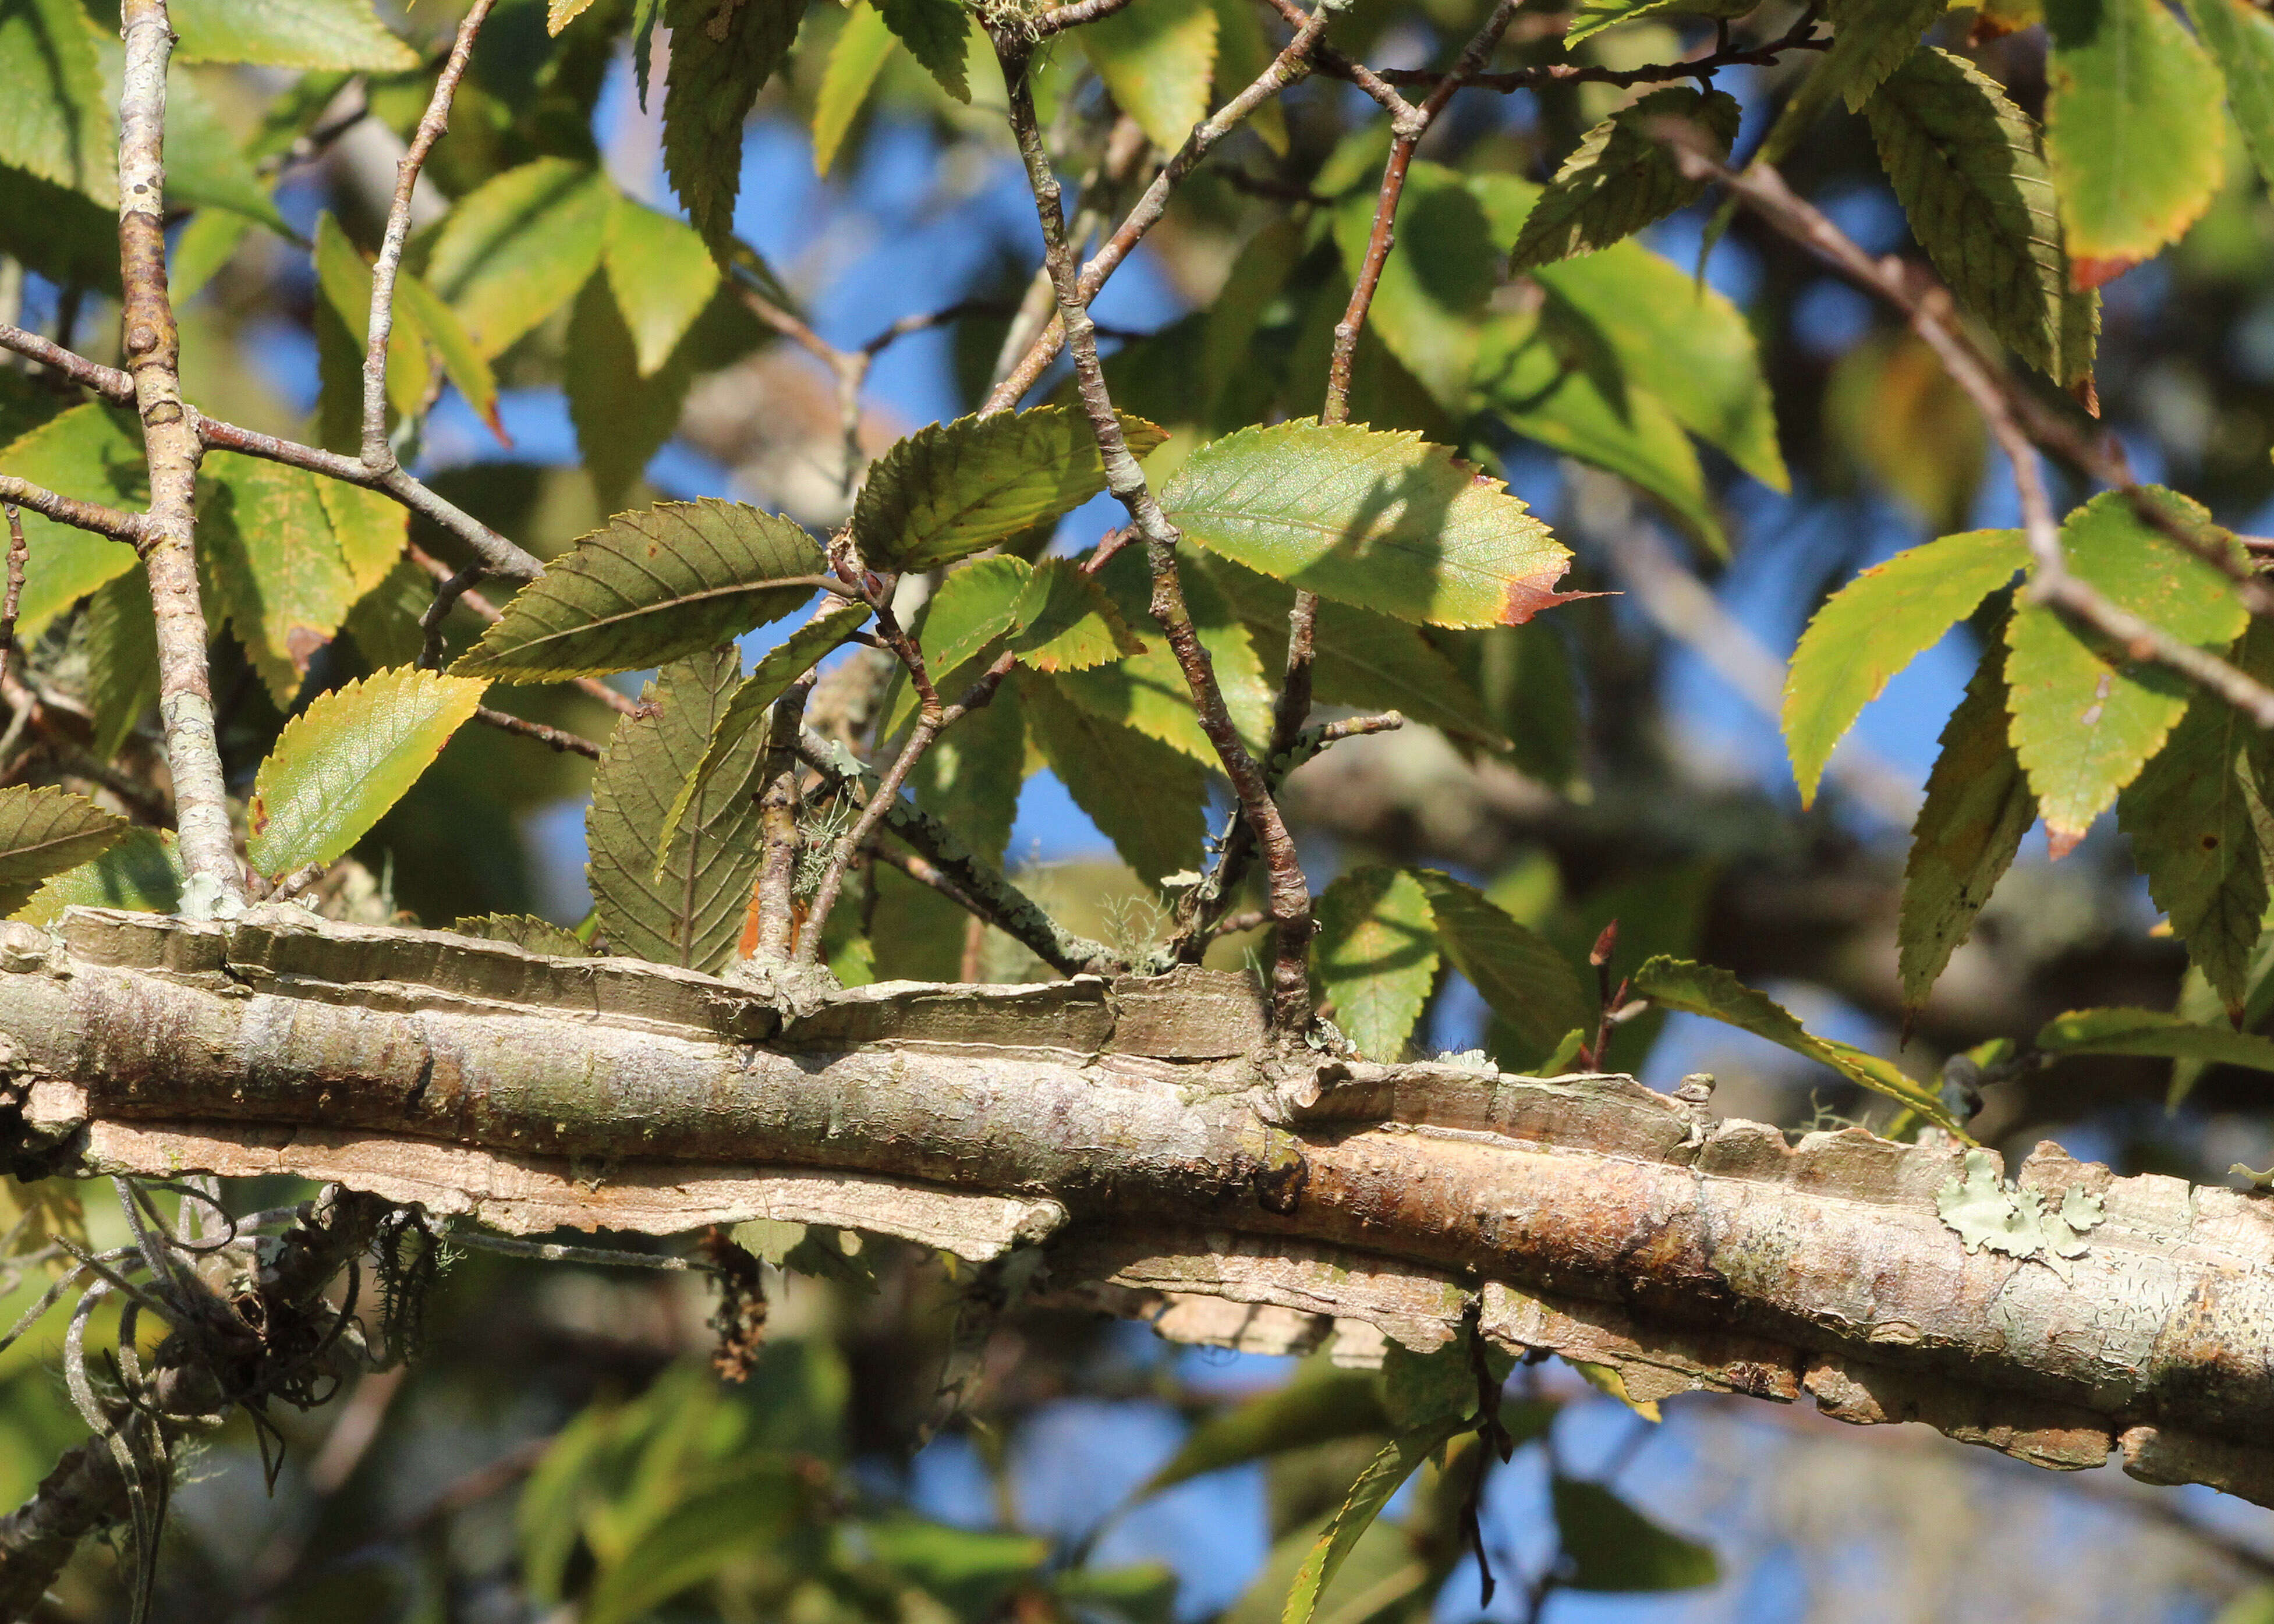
x: 1142, y: 1132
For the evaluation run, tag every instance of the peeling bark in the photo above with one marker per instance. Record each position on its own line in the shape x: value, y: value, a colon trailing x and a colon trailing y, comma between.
x: 1144, y: 1133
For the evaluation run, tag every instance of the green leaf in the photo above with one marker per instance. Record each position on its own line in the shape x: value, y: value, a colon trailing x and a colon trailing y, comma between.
x: 1680, y: 341
x: 723, y: 1518
x: 662, y: 276
x: 204, y: 165
x: 464, y: 364
x: 1144, y: 797
x: 208, y: 243
x: 1156, y: 57
x: 1144, y: 1593
x: 970, y: 778
x: 520, y: 246
x: 1442, y: 268
x: 345, y: 279
x: 1612, y: 1547
x: 973, y: 606
x: 1869, y: 39
x: 1361, y: 659
x: 1969, y: 169
x: 1623, y: 178
x: 1066, y: 621
x: 523, y: 930
x: 2192, y: 836
x: 1527, y: 981
x: 2086, y: 717
x: 1382, y: 1477
x: 342, y: 762
x: 1562, y: 404
x: 2153, y: 1032
x: 621, y: 418
x: 121, y: 661
x: 2241, y: 38
x: 1148, y: 691
x: 854, y: 61
x: 1977, y: 807
x: 737, y: 738
x: 1375, y: 956
x: 691, y: 913
x: 1383, y: 521
x: 269, y: 543
x: 646, y: 589
x: 950, y: 489
x: 1053, y: 617
x: 1319, y: 1406
x: 93, y: 452
x: 1591, y: 17
x: 142, y: 874
x: 55, y: 119
x: 938, y: 34
x: 972, y: 1571
x: 62, y: 234
x: 1704, y: 989
x: 384, y: 620
x: 1243, y: 50
x: 2134, y: 130
x: 45, y: 831
x: 722, y: 52
x: 1878, y: 624
x: 341, y: 35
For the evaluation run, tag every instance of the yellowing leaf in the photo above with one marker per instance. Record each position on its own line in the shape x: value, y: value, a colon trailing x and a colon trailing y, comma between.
x: 342, y: 35
x: 142, y: 873
x: 854, y: 60
x: 1156, y: 57
x: 269, y: 544
x: 2240, y: 40
x: 647, y: 588
x: 2134, y: 130
x: 1386, y: 521
x: 93, y: 451
x: 2086, y: 716
x: 2154, y: 1033
x: 1591, y: 17
x: 662, y: 276
x: 340, y: 763
x: 1878, y: 624
x: 519, y: 246
x: 55, y: 120
x: 45, y: 831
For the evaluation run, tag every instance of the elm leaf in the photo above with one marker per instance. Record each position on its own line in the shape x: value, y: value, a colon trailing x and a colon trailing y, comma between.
x: 649, y: 588
x: 2154, y: 1033
x: 854, y: 60
x: 1382, y: 1477
x: 518, y: 248
x: 340, y: 36
x: 1156, y: 57
x: 662, y: 276
x: 1876, y: 625
x: 1144, y: 797
x: 1977, y: 807
x: 340, y: 763
x: 2240, y: 40
x: 2087, y: 715
x: 938, y: 34
x: 142, y: 874
x: 722, y: 52
x: 1375, y: 956
x: 950, y: 489
x: 1527, y: 981
x: 1384, y: 521
x: 1622, y: 177
x: 47, y: 832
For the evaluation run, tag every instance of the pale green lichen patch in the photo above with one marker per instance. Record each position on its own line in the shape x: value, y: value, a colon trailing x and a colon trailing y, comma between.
x: 1984, y: 1210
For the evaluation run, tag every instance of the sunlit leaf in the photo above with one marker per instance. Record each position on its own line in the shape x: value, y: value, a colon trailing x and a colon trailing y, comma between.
x: 1527, y: 981
x: 94, y: 452
x: 1591, y: 17
x: 45, y: 831
x: 1386, y: 521
x: 691, y: 912
x: 953, y: 488
x: 1704, y: 989
x: 55, y: 121
x: 519, y: 246
x: 1977, y: 807
x: 1969, y: 169
x: 1375, y: 956
x: 662, y: 276
x: 368, y: 528
x: 1143, y: 796
x: 1623, y: 177
x: 1243, y: 50
x: 142, y: 873
x: 2086, y: 716
x: 721, y: 56
x: 1869, y: 39
x: 648, y: 587
x: 267, y: 539
x: 287, y: 34
x: 463, y: 362
x: 340, y: 763
x: 2154, y: 1033
x: 1612, y: 1547
x: 1148, y: 691
x: 2240, y: 40
x: 854, y: 60
x: 2133, y: 129
x: 1156, y: 57
x: 1878, y: 624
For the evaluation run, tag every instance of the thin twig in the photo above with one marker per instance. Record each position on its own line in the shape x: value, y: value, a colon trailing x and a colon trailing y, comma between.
x: 1287, y: 68
x: 19, y: 553
x: 773, y: 899
x: 1058, y: 18
x: 559, y: 739
x: 1931, y: 314
x: 378, y: 454
x: 126, y: 527
x: 1800, y: 36
x: 1289, y: 892
x: 172, y: 450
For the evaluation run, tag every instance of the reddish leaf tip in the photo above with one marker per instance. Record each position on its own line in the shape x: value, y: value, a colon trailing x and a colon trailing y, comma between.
x: 2086, y: 272
x: 497, y: 424
x: 1528, y: 595
x: 2061, y: 842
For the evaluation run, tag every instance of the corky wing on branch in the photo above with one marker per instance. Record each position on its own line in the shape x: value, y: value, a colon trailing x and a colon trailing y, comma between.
x: 1140, y: 1132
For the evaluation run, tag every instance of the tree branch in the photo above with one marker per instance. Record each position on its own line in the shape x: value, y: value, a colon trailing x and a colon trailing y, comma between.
x: 1130, y: 1128
x: 171, y: 447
